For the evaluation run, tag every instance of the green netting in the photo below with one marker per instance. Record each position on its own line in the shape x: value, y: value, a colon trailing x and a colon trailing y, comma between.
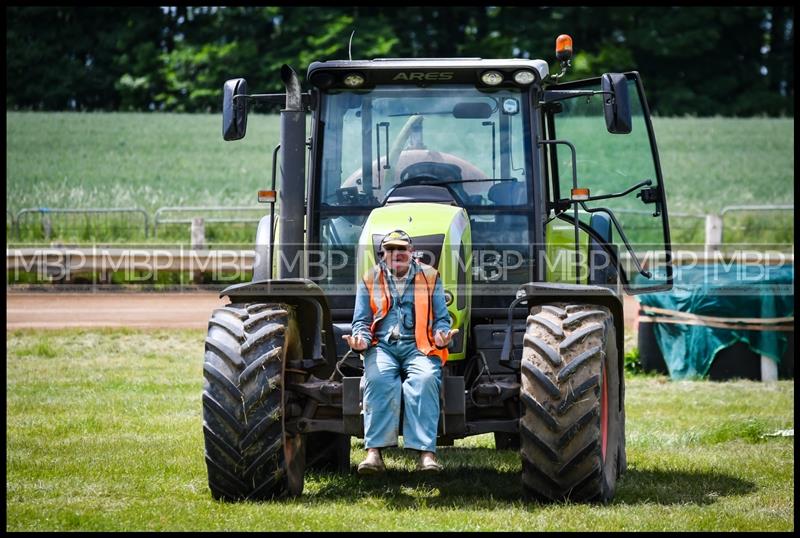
x: 731, y: 291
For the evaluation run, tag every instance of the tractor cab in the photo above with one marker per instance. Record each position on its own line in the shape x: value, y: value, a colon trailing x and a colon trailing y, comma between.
x: 503, y: 141
x: 414, y: 133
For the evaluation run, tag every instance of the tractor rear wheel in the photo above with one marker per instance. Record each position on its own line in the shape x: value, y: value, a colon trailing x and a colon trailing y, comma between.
x: 248, y: 452
x: 571, y: 430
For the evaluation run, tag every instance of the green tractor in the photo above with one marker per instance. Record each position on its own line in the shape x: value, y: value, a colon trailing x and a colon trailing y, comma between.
x: 538, y: 201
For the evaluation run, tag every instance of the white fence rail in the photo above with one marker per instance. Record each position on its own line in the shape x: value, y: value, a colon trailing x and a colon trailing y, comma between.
x: 195, y: 217
x: 200, y: 212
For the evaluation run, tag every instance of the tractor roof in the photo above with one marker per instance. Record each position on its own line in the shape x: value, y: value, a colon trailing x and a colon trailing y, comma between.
x: 398, y: 70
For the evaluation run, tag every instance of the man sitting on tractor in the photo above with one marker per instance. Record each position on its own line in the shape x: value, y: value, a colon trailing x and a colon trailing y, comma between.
x: 402, y: 325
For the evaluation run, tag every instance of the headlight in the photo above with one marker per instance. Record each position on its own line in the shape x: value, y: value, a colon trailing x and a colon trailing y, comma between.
x: 323, y: 79
x: 492, y: 78
x: 524, y: 77
x: 448, y: 298
x: 353, y: 80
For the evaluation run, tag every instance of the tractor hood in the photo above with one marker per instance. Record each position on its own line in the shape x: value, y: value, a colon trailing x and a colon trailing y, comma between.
x: 437, y: 231
x: 441, y: 237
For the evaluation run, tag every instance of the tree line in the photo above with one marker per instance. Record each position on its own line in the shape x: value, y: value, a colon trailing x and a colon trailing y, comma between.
x: 702, y: 61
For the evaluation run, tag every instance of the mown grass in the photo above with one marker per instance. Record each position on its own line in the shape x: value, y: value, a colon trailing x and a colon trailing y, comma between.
x: 104, y: 433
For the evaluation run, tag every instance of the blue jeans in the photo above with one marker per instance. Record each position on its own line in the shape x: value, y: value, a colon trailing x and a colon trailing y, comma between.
x: 383, y: 364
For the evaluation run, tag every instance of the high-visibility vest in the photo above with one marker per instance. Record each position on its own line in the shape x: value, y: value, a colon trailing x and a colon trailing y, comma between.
x: 381, y: 301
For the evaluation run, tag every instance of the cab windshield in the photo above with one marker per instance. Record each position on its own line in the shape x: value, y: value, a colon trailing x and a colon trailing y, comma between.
x: 467, y: 140
x: 375, y: 140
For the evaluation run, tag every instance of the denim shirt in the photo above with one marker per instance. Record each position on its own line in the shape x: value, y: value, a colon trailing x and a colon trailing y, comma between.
x: 401, y: 313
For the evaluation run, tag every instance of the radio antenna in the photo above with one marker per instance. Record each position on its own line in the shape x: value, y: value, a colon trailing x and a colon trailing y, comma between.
x: 350, y: 46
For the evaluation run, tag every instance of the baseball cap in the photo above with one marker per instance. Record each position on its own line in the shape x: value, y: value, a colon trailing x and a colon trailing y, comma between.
x: 397, y: 238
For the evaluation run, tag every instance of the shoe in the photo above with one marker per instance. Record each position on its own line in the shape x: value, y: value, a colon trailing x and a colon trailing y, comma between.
x: 372, y: 464
x: 427, y: 462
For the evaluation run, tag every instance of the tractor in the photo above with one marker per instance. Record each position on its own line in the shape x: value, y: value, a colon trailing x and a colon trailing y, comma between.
x: 540, y: 202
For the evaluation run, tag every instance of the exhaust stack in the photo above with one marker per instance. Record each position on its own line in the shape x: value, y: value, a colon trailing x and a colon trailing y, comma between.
x: 292, y: 190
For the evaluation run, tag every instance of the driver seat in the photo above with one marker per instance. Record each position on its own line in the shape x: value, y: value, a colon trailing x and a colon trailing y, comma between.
x: 508, y: 193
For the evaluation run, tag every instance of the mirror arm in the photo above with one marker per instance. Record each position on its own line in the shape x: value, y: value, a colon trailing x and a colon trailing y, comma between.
x: 274, y: 98
x: 559, y: 95
x: 634, y: 257
x: 644, y: 183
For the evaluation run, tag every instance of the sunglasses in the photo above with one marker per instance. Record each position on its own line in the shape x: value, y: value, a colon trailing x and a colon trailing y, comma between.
x: 393, y: 248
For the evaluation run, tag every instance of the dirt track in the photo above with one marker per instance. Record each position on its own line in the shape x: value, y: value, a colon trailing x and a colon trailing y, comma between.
x: 138, y: 310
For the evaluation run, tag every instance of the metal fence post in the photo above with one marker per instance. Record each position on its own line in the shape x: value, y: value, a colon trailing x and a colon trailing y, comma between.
x: 713, y: 233
x: 12, y: 228
x: 198, y: 242
x: 198, y: 233
x: 46, y: 224
x: 769, y: 369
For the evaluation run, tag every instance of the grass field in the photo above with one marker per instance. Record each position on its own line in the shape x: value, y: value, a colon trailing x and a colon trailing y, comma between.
x: 104, y: 432
x: 156, y: 160
x: 66, y: 160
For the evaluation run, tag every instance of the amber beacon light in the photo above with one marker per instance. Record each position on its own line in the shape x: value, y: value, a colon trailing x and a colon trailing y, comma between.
x: 564, y: 48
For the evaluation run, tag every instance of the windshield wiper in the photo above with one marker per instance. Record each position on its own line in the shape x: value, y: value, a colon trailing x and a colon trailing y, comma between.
x: 480, y: 180
x: 402, y: 114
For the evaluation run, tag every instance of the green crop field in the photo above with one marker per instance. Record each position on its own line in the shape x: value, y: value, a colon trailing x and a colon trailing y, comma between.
x: 154, y: 160
x: 73, y: 160
x: 104, y: 433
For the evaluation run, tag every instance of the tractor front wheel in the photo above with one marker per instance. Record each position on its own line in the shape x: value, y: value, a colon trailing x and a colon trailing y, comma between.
x: 248, y: 452
x: 571, y: 430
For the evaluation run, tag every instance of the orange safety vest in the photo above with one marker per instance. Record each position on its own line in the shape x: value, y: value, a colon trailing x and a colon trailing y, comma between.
x: 381, y: 301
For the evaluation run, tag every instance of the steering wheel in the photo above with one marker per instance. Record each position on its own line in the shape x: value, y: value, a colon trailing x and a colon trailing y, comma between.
x: 420, y: 179
x: 431, y: 169
x: 423, y: 179
x: 431, y: 173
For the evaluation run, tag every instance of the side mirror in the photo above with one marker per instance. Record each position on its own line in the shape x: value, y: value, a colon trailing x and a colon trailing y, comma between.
x: 234, y: 111
x: 616, y: 104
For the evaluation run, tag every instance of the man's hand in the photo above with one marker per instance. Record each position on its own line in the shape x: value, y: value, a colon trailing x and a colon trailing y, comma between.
x: 442, y: 339
x: 356, y: 343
